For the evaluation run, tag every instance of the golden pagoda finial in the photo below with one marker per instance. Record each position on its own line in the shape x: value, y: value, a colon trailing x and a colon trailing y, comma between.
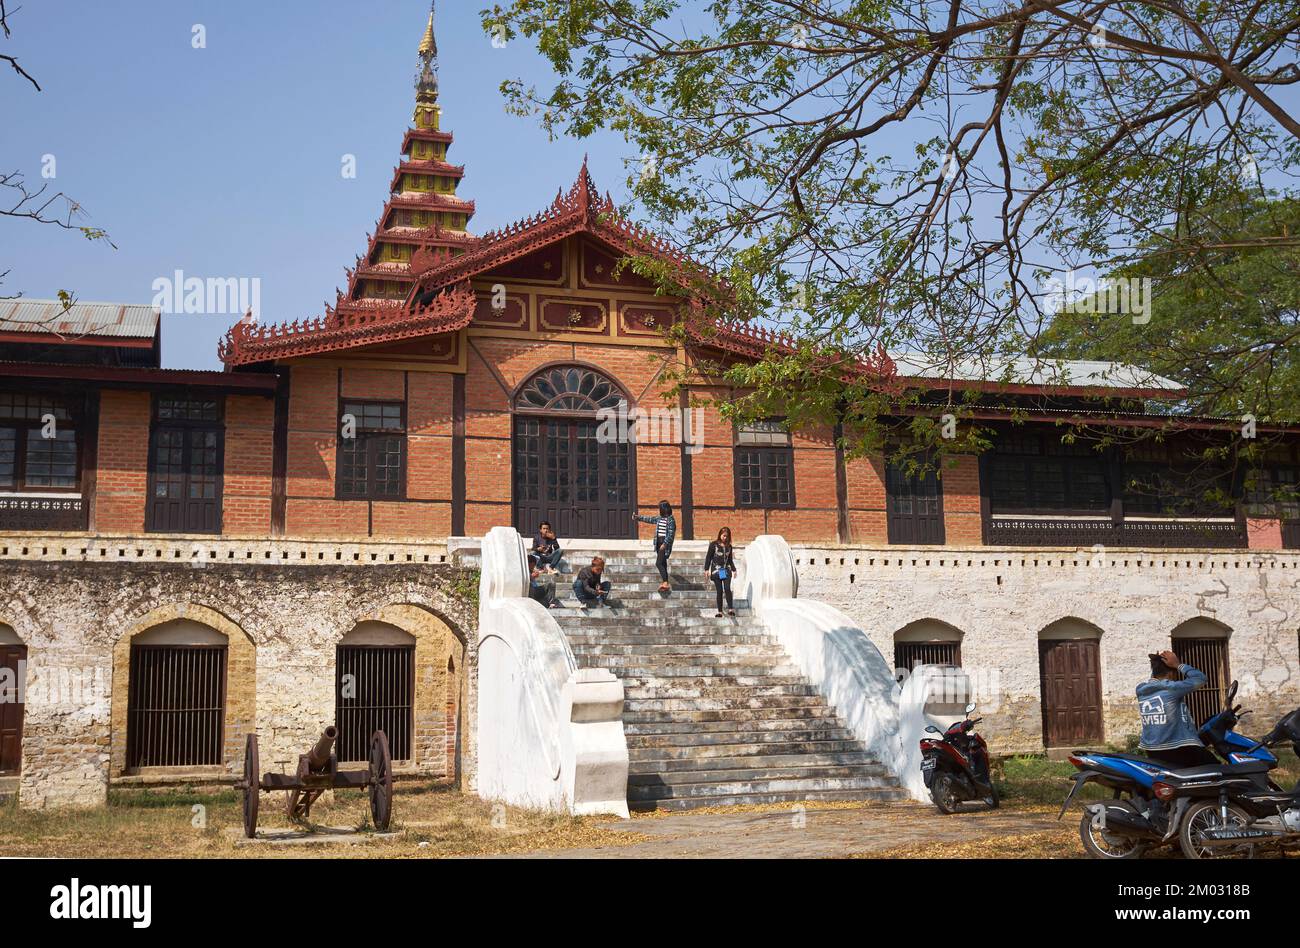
x: 426, y: 76
x: 429, y: 44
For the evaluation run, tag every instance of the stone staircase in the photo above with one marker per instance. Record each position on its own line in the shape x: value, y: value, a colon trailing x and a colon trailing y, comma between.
x: 715, y: 712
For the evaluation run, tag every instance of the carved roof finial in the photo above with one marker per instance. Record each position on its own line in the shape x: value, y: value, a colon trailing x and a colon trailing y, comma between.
x: 426, y: 78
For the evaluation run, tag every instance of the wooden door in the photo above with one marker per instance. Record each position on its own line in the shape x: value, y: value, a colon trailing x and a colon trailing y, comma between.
x: 13, y: 660
x: 185, y: 479
x: 565, y: 474
x: 1071, y: 682
x: 915, y: 507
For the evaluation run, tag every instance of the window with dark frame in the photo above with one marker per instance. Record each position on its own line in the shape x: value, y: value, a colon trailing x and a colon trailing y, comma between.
x: 1035, y: 472
x: 39, y: 450
x: 764, y: 464
x: 372, y: 463
x: 186, y: 460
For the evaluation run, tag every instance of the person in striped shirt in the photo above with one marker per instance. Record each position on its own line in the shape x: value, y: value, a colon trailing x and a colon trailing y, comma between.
x: 665, y: 532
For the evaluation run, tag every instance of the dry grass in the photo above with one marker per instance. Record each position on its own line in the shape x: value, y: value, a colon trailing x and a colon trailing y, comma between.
x: 429, y: 821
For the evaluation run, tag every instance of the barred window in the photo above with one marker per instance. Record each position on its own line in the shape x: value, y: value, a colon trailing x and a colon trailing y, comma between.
x: 372, y: 462
x: 764, y: 465
x: 38, y: 443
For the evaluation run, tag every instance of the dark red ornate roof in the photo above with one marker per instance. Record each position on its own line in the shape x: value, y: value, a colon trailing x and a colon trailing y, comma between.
x: 581, y: 210
x: 365, y: 323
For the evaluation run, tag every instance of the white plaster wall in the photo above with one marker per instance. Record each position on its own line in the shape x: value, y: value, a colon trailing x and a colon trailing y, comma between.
x: 1000, y: 599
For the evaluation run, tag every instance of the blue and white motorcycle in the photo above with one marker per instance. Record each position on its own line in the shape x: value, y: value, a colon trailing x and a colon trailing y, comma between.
x: 1148, y: 803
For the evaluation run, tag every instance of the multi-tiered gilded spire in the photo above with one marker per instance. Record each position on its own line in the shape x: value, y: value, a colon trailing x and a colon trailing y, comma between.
x: 423, y: 218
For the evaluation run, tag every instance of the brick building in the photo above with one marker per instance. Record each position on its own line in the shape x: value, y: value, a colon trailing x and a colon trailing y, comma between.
x: 463, y: 382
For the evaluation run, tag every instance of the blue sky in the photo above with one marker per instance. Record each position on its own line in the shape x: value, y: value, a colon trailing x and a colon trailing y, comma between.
x: 226, y: 161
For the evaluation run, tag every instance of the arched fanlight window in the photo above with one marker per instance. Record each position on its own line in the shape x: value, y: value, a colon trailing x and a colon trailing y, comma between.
x: 568, y: 388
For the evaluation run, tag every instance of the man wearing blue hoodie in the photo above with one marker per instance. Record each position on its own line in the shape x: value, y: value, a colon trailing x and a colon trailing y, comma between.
x: 1169, y: 734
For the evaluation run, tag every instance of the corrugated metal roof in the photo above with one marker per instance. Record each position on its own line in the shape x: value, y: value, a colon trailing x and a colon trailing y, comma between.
x: 1048, y: 372
x: 122, y: 320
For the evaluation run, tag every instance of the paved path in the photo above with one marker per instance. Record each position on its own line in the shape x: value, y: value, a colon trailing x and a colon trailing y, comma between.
x: 813, y: 833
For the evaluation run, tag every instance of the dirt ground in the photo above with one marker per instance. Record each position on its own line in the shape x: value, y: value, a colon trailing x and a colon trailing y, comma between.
x: 440, y: 821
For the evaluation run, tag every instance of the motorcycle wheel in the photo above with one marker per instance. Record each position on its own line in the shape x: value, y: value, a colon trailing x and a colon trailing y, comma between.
x: 1099, y: 844
x: 1205, y: 815
x: 993, y: 800
x: 944, y: 793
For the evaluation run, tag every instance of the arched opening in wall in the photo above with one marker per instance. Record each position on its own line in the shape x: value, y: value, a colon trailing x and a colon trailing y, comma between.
x: 1069, y: 653
x: 13, y: 673
x: 1203, y: 643
x: 375, y: 690
x: 176, y: 696
x: 926, y: 642
x: 567, y: 470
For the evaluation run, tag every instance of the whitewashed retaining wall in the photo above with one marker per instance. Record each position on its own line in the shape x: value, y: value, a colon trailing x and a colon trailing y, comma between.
x: 1001, y: 598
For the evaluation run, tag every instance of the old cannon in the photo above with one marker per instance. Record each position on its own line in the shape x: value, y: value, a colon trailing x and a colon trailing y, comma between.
x: 318, y: 771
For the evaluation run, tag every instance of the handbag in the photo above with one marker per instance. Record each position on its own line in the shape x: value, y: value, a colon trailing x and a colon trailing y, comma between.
x: 722, y: 573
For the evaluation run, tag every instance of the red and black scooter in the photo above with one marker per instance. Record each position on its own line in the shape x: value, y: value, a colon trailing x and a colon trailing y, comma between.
x: 956, y: 766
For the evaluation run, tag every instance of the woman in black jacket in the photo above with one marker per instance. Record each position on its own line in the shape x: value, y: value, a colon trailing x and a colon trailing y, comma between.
x: 721, y: 567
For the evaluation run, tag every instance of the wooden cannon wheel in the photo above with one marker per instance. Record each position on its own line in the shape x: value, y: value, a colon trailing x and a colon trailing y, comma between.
x: 252, y: 785
x: 381, y: 782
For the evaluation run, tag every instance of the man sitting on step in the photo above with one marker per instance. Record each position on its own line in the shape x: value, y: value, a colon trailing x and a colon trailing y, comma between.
x: 591, y: 588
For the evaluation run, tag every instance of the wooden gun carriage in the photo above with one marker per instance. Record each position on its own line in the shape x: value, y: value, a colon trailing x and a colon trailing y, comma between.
x: 318, y: 771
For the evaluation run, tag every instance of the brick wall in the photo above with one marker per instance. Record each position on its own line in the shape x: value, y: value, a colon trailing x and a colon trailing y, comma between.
x: 246, y: 488
x: 122, y: 478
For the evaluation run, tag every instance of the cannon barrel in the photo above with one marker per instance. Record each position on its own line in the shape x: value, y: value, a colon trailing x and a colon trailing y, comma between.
x: 319, y: 756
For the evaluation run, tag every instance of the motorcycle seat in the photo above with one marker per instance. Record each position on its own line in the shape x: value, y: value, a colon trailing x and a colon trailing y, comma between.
x: 1250, y: 767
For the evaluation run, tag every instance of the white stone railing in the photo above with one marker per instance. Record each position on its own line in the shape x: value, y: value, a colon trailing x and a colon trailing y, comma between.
x: 550, y: 735
x: 836, y: 656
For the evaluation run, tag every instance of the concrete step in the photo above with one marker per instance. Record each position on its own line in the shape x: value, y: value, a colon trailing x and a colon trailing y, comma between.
x: 720, y: 719
x: 632, y: 610
x: 677, y: 652
x: 883, y: 794
x: 662, y: 623
x: 651, y: 747
x: 747, y: 788
x: 751, y: 773
x: 704, y: 686
x: 745, y: 700
x: 701, y: 632
x: 758, y: 761
x: 630, y: 667
x: 779, y: 723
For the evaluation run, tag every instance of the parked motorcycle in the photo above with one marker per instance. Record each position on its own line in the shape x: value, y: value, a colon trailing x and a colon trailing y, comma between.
x: 956, y: 766
x: 1236, y: 810
x: 1153, y: 804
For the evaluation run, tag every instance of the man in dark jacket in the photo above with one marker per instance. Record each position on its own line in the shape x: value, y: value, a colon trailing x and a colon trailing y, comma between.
x: 591, y: 588
x: 546, y: 548
x: 1169, y: 734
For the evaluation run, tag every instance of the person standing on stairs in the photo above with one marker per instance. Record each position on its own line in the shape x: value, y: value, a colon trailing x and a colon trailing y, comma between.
x: 720, y: 566
x: 665, y: 532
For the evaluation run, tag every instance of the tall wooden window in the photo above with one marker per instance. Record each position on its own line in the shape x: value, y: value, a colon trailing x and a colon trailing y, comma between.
x: 914, y: 502
x: 176, y: 705
x: 764, y: 465
x: 1038, y: 473
x: 374, y: 691
x: 38, y: 443
x: 372, y: 451
x: 186, y: 455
